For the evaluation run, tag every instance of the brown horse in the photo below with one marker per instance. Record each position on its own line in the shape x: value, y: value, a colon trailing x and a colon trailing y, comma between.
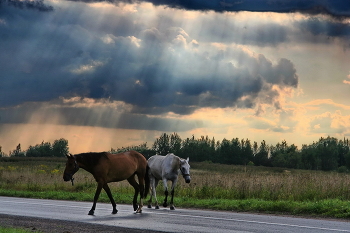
x: 106, y: 168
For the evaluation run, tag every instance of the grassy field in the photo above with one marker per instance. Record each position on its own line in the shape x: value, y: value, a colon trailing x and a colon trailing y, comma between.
x: 15, y: 230
x: 213, y: 186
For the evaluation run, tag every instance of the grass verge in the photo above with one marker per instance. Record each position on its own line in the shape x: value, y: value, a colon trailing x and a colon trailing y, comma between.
x: 15, y: 230
x: 331, y: 208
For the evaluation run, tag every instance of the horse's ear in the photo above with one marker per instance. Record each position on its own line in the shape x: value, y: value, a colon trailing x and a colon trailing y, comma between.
x: 188, y: 159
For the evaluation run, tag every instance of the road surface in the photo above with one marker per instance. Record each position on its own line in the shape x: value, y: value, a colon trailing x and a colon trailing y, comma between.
x: 179, y: 220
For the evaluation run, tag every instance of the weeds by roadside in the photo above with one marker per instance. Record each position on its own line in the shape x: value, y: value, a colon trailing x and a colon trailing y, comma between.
x: 15, y: 230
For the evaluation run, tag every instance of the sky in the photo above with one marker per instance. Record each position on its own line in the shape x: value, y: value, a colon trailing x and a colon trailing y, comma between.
x: 117, y: 73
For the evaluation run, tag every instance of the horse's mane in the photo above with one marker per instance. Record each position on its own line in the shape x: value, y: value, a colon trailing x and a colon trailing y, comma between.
x: 90, y: 159
x: 175, y: 164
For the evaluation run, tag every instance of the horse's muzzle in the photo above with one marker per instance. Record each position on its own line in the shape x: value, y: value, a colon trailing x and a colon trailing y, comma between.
x: 187, y: 179
x: 67, y: 177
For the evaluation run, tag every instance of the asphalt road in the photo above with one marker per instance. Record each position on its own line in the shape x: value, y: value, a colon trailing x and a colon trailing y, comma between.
x: 179, y: 220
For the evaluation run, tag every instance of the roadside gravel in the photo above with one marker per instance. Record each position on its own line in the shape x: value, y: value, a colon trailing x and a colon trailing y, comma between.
x: 60, y: 226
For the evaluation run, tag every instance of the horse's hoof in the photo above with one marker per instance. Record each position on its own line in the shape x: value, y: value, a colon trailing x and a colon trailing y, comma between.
x: 135, y: 207
x: 157, y: 207
x: 165, y: 204
x: 139, y: 211
x: 114, y: 211
x: 91, y: 212
x: 172, y: 208
x: 149, y: 206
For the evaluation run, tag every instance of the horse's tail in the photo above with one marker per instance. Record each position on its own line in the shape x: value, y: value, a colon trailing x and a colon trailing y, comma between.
x: 147, y: 182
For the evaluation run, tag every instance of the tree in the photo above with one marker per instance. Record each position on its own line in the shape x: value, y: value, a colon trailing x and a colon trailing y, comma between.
x: 175, y: 143
x: 309, y: 157
x: 40, y: 150
x: 347, y: 160
x: 343, y: 149
x: 162, y: 144
x: 327, y: 150
x: 294, y: 160
x: 231, y: 151
x: 33, y: 151
x: 60, y: 148
x: 190, y: 149
x: 262, y: 157
x: 247, y: 151
x: 142, y: 148
x: 205, y: 149
x: 283, y: 155
x: 17, y: 152
x: 45, y: 149
x: 224, y: 151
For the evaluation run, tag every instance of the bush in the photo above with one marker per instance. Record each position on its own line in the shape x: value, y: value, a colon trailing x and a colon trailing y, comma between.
x: 342, y: 169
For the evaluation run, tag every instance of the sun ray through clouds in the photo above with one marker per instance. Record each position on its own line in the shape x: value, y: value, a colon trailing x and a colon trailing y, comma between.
x: 135, y: 69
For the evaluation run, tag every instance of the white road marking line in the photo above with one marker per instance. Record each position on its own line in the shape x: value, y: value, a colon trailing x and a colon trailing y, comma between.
x: 257, y: 222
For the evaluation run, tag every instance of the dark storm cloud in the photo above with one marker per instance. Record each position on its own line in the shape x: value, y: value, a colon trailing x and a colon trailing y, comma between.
x: 321, y: 27
x: 101, y: 116
x: 27, y: 4
x: 155, y: 68
x: 156, y: 71
x: 335, y: 8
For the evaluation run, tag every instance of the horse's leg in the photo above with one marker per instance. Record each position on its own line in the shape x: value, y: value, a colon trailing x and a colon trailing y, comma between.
x: 172, y: 207
x: 108, y: 191
x: 134, y: 184
x: 166, y: 193
x: 141, y: 179
x: 155, y: 194
x: 152, y: 184
x: 97, y: 194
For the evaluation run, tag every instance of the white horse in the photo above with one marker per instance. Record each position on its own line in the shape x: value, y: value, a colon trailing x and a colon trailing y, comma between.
x: 166, y: 168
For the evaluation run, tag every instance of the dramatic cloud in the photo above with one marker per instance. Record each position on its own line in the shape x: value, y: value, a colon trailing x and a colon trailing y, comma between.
x: 154, y: 70
x: 323, y: 27
x: 89, y: 112
x: 337, y: 8
x: 27, y: 4
x: 235, y: 68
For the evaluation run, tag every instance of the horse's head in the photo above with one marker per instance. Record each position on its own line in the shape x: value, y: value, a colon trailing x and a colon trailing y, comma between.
x: 185, y: 169
x: 71, y: 168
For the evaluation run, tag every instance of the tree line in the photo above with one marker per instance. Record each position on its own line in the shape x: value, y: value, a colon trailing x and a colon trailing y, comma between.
x: 326, y: 154
x: 59, y: 148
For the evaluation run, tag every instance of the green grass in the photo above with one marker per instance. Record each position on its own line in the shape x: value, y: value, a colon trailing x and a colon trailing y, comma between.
x: 213, y: 186
x: 15, y: 230
x: 325, y: 208
x: 332, y: 208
